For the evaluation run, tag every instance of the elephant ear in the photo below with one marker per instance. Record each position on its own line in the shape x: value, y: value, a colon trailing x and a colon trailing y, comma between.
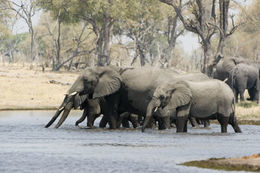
x: 78, y: 100
x: 181, y: 95
x: 229, y: 64
x: 109, y: 82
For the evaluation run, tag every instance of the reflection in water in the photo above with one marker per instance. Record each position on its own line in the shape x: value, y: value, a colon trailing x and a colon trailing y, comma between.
x: 26, y: 146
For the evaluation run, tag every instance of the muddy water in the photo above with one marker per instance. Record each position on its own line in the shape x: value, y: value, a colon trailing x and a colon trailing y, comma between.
x: 26, y: 146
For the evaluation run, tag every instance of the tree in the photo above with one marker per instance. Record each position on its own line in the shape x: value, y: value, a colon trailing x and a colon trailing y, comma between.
x: 202, y: 20
x: 25, y: 10
x: 75, y: 42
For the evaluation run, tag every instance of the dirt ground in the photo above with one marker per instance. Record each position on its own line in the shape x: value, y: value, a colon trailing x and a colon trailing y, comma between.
x: 22, y: 88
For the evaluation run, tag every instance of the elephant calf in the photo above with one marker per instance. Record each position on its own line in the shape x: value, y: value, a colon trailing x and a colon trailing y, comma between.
x: 211, y: 99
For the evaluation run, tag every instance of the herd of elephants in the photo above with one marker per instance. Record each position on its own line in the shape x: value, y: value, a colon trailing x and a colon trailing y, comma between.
x: 148, y: 97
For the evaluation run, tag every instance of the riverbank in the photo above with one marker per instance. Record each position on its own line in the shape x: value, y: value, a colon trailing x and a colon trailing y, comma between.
x: 23, y: 88
x: 246, y: 163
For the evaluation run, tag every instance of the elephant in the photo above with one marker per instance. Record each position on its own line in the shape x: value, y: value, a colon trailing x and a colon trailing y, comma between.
x: 93, y: 82
x: 122, y: 90
x: 139, y: 85
x: 210, y: 99
x: 245, y: 77
x: 240, y: 75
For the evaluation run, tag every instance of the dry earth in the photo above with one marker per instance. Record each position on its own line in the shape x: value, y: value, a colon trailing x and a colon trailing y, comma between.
x: 22, y: 88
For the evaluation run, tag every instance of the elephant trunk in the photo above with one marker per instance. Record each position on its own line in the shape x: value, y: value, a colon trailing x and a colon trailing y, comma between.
x: 55, y: 116
x: 64, y: 115
x: 152, y: 106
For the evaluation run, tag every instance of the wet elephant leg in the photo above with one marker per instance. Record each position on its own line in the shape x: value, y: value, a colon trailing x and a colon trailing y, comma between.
x: 103, y: 122
x: 164, y: 123
x: 133, y: 118
x: 223, y: 121
x: 182, y: 118
x: 181, y: 124
x: 193, y: 122
x: 234, y: 124
x: 206, y: 123
x: 125, y: 123
x: 82, y: 118
x: 121, y: 119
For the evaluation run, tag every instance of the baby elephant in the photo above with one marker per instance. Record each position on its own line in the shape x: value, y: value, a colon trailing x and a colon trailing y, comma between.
x: 211, y: 99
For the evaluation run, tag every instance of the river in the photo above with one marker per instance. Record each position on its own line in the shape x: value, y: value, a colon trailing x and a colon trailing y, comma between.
x: 26, y: 146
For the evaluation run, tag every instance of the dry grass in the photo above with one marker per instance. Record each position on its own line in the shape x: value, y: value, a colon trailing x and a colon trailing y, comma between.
x: 22, y: 88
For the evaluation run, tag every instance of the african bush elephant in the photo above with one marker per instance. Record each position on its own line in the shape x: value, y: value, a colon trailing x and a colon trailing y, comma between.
x: 94, y: 82
x: 139, y: 85
x: 241, y: 75
x: 127, y: 90
x: 211, y: 99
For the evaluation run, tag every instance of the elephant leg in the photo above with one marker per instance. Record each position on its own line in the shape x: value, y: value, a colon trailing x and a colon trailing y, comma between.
x: 181, y: 124
x: 82, y: 118
x: 254, y: 94
x: 164, y: 123
x: 121, y: 118
x: 112, y: 122
x: 223, y: 121
x: 134, y: 120
x: 91, y: 119
x: 206, y: 123
x: 185, y: 126
x: 125, y: 123
x: 193, y: 122
x: 182, y: 118
x: 236, y: 95
x: 234, y: 124
x: 103, y: 122
x: 241, y: 93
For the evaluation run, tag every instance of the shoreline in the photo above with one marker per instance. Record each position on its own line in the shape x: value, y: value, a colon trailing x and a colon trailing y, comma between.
x: 246, y: 163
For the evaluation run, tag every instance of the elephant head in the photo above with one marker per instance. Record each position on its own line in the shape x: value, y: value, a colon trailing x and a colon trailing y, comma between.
x: 92, y: 83
x: 168, y: 96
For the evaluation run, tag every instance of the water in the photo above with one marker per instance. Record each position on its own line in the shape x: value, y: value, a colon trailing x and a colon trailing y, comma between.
x: 26, y: 146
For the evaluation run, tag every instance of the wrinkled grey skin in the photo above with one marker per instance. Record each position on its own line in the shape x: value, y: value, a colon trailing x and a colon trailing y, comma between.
x: 244, y: 77
x: 95, y: 82
x: 139, y: 85
x: 211, y: 99
x: 92, y: 111
x: 241, y: 75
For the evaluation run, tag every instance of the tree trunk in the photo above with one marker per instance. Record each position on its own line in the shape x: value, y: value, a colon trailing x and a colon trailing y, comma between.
x: 208, y: 54
x: 58, y: 44
x: 32, y: 45
x: 103, y: 43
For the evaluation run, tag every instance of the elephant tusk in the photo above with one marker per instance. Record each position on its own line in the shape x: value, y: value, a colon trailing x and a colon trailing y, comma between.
x: 61, y: 109
x: 155, y: 109
x: 225, y: 80
x: 74, y: 93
